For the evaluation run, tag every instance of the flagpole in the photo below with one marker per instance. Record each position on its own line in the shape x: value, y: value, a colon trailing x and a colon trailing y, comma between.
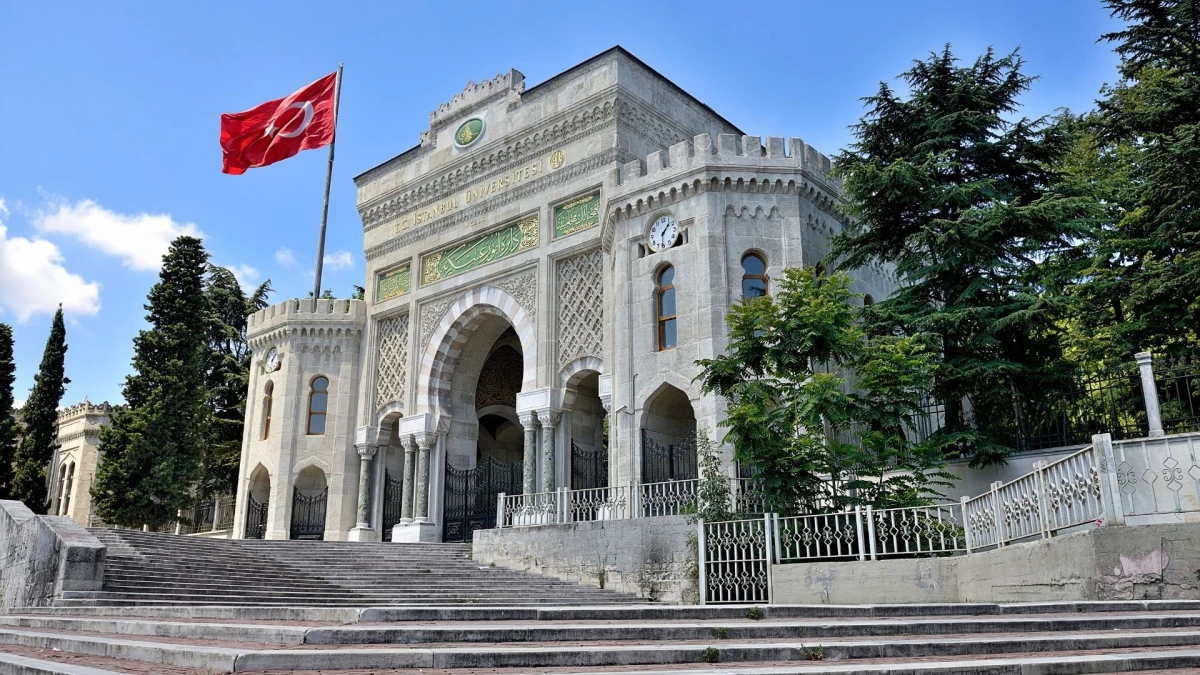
x: 337, y: 100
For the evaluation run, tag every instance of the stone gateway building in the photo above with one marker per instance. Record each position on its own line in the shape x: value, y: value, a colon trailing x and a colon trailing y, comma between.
x: 543, y: 271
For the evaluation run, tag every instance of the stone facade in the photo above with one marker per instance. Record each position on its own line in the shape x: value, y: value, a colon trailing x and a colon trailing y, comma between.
x: 521, y: 221
x: 73, y: 469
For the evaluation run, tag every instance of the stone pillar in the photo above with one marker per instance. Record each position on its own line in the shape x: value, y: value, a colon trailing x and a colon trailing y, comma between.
x: 549, y: 419
x: 529, y: 456
x: 1150, y: 393
x: 365, y: 454
x: 421, y: 501
x: 406, y: 494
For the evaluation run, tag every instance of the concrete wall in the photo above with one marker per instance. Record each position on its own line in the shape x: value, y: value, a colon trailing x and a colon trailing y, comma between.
x: 648, y: 557
x: 1149, y: 562
x: 42, y: 556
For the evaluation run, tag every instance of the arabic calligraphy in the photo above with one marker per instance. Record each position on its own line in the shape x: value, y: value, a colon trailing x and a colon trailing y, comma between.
x: 520, y: 236
x: 579, y: 214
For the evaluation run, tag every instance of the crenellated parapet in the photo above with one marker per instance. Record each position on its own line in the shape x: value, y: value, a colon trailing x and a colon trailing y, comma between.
x: 510, y: 83
x: 732, y: 164
x: 321, y: 320
x: 83, y: 409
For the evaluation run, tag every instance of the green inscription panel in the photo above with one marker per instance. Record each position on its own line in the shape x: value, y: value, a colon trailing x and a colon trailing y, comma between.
x: 520, y: 236
x: 395, y: 282
x: 576, y: 215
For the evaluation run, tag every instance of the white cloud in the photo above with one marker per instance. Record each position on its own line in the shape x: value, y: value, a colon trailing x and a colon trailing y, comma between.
x: 35, y: 281
x: 17, y: 405
x: 339, y: 260
x: 139, y: 240
x: 247, y: 276
x: 285, y: 257
x: 3, y: 207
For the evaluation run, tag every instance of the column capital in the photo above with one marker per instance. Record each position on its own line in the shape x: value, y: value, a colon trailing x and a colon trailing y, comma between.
x: 1144, y: 358
x: 528, y: 419
x: 365, y: 450
x: 425, y: 441
x: 549, y: 417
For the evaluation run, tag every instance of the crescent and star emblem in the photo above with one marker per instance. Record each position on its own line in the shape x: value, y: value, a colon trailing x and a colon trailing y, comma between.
x: 306, y: 107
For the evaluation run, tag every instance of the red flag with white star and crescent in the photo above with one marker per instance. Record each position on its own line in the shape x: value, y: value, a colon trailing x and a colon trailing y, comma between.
x: 278, y: 129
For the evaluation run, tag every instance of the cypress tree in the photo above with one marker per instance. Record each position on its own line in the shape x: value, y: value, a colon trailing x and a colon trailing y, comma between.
x: 40, y: 417
x: 228, y: 374
x: 154, y: 445
x: 960, y: 196
x: 8, y: 423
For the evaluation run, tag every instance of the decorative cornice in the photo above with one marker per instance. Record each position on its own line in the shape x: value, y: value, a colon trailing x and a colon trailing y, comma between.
x: 377, y: 211
x: 563, y: 175
x: 474, y: 94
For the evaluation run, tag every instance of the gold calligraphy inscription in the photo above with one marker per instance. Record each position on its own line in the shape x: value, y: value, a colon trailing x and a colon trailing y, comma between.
x: 508, y: 241
x: 393, y: 283
x: 576, y: 215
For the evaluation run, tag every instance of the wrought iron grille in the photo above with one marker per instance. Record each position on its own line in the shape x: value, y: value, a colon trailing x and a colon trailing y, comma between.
x: 393, y: 491
x: 256, y: 518
x: 227, y: 505
x: 470, y: 496
x: 589, y: 467
x: 308, y: 514
x: 201, y: 517
x: 1178, y: 384
x: 666, y: 462
x: 735, y: 561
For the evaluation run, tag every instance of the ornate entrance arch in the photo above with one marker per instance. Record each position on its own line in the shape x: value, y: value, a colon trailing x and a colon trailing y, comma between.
x: 454, y: 331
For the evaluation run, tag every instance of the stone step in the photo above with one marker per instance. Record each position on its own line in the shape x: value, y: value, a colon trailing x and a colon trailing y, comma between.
x: 506, y: 632
x: 232, y: 657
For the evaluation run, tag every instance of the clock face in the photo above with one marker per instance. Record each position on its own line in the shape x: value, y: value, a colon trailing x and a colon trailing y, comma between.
x: 273, y: 360
x: 663, y: 234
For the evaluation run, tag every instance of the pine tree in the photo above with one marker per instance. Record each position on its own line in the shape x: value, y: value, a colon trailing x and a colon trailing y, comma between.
x: 8, y: 423
x: 40, y: 417
x: 961, y: 198
x: 228, y: 375
x: 1140, y: 291
x: 154, y: 445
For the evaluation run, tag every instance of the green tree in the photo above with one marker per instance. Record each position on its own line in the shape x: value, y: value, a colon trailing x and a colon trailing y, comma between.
x: 154, y: 445
x: 960, y: 197
x: 40, y: 418
x: 816, y: 443
x: 8, y: 423
x: 1139, y: 292
x: 228, y: 375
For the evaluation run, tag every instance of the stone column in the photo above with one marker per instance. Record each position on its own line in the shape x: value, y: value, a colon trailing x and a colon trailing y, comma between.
x: 1150, y: 393
x: 365, y: 454
x: 529, y: 456
x: 421, y: 506
x: 406, y: 493
x: 549, y: 420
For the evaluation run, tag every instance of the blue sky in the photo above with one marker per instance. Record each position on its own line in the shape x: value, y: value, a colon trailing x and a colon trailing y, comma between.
x: 110, y: 115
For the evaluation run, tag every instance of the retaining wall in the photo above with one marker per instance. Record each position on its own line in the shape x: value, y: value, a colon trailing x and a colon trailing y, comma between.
x: 42, y: 556
x: 1145, y: 562
x: 648, y: 557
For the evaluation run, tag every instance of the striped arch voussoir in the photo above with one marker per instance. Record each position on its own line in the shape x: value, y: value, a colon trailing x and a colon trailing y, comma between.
x: 454, y: 331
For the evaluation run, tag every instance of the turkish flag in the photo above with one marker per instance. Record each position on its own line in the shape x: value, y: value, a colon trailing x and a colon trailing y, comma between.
x: 281, y: 128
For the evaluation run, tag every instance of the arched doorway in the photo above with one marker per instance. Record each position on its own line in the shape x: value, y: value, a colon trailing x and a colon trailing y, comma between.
x: 485, y: 445
x: 393, y: 484
x: 668, y: 437
x: 588, y: 431
x: 310, y: 495
x: 257, y: 497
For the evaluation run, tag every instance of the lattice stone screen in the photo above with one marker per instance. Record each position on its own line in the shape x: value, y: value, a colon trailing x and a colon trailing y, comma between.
x: 392, y: 360
x: 580, y: 307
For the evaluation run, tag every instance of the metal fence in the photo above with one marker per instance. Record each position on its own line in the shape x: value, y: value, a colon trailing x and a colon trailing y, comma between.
x: 734, y: 560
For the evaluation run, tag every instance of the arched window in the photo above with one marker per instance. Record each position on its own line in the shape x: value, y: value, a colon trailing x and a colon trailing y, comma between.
x: 65, y: 503
x: 318, y: 403
x: 667, y: 333
x: 268, y: 398
x: 754, y: 277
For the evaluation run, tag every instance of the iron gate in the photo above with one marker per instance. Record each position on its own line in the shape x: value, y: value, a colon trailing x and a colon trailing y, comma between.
x: 663, y: 462
x: 308, y: 514
x: 735, y: 561
x: 470, y: 496
x: 393, y: 490
x: 256, y: 518
x: 589, y: 468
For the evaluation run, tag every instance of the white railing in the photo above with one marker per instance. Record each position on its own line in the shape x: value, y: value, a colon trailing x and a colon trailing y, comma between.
x: 747, y: 496
x: 917, y: 530
x: 666, y: 499
x: 1053, y: 497
x: 826, y: 536
x: 605, y: 503
x: 734, y: 558
x: 538, y: 508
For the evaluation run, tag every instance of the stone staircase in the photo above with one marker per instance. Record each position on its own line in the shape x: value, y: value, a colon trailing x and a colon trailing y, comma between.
x: 968, y: 639
x: 145, y: 568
